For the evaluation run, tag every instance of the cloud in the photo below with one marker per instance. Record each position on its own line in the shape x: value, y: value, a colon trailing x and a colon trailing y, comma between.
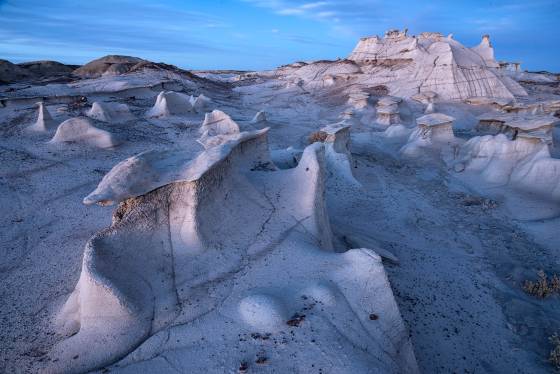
x: 64, y: 27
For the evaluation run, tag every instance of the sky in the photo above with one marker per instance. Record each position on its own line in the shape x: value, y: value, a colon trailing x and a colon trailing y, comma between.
x: 263, y: 34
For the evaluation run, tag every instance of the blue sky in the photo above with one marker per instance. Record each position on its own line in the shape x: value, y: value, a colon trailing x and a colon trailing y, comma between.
x: 261, y: 34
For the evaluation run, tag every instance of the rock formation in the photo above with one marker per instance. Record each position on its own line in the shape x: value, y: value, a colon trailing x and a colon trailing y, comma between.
x: 10, y: 73
x: 170, y: 103
x: 337, y: 154
x: 358, y: 100
x: 512, y: 125
x: 44, y: 120
x: 494, y: 157
x: 200, y: 103
x: 108, y: 65
x: 259, y: 117
x: 388, y: 110
x: 47, y: 68
x: 140, y: 277
x: 432, y: 132
x: 217, y: 128
x: 109, y: 112
x: 430, y: 61
x: 81, y: 130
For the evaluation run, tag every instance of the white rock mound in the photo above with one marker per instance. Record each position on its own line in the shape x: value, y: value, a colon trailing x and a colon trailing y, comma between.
x: 44, y: 121
x: 538, y: 174
x: 523, y: 163
x: 81, y: 130
x: 230, y: 251
x: 170, y: 103
x: 217, y: 128
x: 110, y: 112
x: 397, y: 131
x: 200, y: 103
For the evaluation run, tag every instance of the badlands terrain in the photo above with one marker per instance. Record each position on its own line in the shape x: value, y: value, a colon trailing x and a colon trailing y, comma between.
x: 383, y: 213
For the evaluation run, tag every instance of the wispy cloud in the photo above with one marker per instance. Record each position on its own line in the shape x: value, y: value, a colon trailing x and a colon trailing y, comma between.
x: 263, y: 33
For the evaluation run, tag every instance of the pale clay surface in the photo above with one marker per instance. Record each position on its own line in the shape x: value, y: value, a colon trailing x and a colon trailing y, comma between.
x: 395, y: 244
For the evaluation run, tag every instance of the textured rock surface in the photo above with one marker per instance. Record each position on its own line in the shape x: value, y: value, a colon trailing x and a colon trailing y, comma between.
x: 81, y: 130
x: 235, y: 264
x: 271, y: 221
x: 170, y: 103
x: 44, y: 121
x: 110, y: 112
x: 432, y: 62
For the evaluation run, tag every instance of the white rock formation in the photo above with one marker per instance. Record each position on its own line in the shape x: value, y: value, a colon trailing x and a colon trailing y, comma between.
x: 514, y: 124
x: 486, y: 51
x: 397, y: 131
x: 217, y: 128
x: 337, y: 154
x: 259, y: 117
x: 433, y: 131
x: 540, y: 107
x: 388, y: 110
x: 358, y: 100
x: 430, y: 61
x: 193, y: 259
x: 538, y: 174
x: 286, y: 158
x: 524, y: 163
x: 429, y: 108
x: 170, y: 103
x: 44, y: 121
x: 110, y: 112
x: 425, y: 97
x: 200, y: 103
x: 150, y: 170
x: 492, y: 101
x: 81, y: 130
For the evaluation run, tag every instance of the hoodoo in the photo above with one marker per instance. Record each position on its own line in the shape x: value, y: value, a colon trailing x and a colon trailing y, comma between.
x: 388, y: 110
x: 44, y: 120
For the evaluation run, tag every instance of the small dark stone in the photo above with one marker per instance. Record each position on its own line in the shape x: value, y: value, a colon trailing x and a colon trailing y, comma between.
x: 373, y: 317
x: 295, y: 320
x: 243, y: 366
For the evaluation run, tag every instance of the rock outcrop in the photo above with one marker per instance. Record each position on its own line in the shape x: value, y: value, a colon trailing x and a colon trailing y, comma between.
x: 170, y: 103
x: 192, y: 258
x: 432, y: 62
x: 388, y: 110
x: 110, y: 112
x: 44, y: 121
x: 107, y: 65
x: 217, y: 129
x: 200, y: 103
x: 81, y: 130
x: 517, y: 124
x: 433, y: 132
x: 10, y: 73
